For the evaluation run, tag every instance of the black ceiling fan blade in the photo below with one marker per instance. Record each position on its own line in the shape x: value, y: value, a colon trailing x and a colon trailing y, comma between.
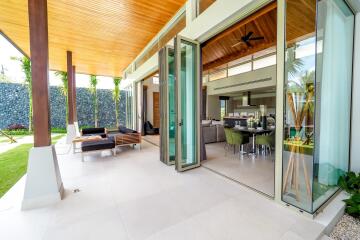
x: 247, y: 36
x: 257, y: 38
x: 248, y: 44
x: 236, y: 44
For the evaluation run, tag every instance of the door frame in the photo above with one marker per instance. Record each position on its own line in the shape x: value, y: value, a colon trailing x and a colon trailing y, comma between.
x: 159, y: 114
x: 178, y: 156
x: 164, y: 105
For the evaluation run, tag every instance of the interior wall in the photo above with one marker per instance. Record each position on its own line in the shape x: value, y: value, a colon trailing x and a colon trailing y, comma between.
x: 260, y: 78
x: 355, y: 122
x: 264, y: 99
x: 151, y: 88
x: 213, y: 107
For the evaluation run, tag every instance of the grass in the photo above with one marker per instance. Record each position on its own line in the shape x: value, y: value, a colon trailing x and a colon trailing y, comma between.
x: 13, y: 164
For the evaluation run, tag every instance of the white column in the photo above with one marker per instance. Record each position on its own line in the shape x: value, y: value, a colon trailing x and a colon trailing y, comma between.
x: 279, y: 96
x: 355, y: 121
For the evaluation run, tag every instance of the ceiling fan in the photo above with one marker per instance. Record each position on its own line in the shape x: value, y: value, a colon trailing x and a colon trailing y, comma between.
x: 247, y: 38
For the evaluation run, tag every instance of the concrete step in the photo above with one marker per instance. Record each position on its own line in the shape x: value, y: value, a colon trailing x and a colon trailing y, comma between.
x: 324, y: 237
x: 332, y: 213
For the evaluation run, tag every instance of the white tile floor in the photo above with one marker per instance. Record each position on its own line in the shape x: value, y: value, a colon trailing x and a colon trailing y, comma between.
x: 154, y: 139
x: 135, y: 196
x: 256, y: 172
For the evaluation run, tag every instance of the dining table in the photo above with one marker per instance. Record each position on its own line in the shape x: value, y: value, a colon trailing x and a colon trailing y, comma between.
x: 253, y: 132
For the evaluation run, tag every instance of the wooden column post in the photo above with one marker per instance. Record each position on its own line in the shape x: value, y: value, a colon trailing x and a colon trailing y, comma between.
x: 70, y: 88
x: 43, y: 184
x: 74, y: 92
x: 40, y: 71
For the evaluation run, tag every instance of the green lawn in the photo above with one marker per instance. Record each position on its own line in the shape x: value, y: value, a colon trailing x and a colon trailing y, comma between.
x: 13, y: 164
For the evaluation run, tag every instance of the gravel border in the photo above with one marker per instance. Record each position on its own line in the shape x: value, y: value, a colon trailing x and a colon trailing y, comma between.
x: 348, y: 228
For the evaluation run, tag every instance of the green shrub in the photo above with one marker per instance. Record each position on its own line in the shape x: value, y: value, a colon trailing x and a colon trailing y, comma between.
x: 18, y: 132
x: 353, y: 205
x: 350, y: 183
x: 58, y: 130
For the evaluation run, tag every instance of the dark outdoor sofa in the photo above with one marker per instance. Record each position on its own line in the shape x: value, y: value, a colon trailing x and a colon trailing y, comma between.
x: 94, y: 132
x: 110, y: 139
x: 149, y: 129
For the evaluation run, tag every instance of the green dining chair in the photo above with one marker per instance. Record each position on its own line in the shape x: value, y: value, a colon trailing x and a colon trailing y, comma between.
x: 239, y: 139
x: 228, y: 138
x: 266, y: 140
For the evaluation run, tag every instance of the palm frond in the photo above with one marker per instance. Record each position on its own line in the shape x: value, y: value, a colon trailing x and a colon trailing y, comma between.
x: 64, y: 79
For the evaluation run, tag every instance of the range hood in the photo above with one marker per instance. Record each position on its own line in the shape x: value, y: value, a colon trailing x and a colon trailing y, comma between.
x: 246, y: 100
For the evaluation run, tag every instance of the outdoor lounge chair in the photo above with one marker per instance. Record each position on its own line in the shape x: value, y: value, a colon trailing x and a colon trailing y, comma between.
x: 99, y: 145
x: 94, y: 132
x: 124, y: 136
x: 110, y: 139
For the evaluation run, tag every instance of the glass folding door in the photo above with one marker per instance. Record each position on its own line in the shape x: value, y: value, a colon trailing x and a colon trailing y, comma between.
x: 129, y: 123
x: 318, y: 77
x: 139, y: 107
x: 187, y: 62
x: 167, y: 105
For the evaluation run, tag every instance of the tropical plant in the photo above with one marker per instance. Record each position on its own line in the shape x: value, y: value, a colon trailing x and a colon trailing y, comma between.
x: 26, y: 68
x: 293, y: 65
x: 64, y: 90
x: 350, y: 183
x: 353, y: 205
x: 93, y: 91
x: 116, y: 97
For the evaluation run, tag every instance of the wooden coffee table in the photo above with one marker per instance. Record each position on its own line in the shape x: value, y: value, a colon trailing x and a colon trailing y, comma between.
x: 84, y: 139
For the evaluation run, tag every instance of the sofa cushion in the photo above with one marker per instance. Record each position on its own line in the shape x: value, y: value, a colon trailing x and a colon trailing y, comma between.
x: 220, y: 133
x: 209, y: 134
x: 89, y: 131
x: 206, y: 123
x: 97, y: 145
x: 125, y: 130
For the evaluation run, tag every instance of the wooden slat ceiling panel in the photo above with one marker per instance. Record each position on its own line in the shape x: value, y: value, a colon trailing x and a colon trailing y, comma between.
x: 163, y: 40
x: 221, y: 49
x: 104, y: 35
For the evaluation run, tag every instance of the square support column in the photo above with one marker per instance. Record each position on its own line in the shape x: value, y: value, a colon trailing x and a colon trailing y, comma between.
x: 43, y: 181
x: 74, y: 97
x: 71, y: 129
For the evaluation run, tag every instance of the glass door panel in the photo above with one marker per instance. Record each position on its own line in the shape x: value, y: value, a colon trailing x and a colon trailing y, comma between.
x: 187, y: 54
x: 171, y: 106
x: 335, y: 26
x: 318, y: 76
x: 167, y: 105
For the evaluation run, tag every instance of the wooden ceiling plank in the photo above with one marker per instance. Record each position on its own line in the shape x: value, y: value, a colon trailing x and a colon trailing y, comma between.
x: 243, y: 22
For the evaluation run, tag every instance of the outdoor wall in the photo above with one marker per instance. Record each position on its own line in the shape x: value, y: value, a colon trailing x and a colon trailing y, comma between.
x: 14, y: 106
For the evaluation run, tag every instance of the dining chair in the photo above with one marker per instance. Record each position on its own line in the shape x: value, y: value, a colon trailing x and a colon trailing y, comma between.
x: 268, y: 141
x: 228, y: 138
x: 240, y: 139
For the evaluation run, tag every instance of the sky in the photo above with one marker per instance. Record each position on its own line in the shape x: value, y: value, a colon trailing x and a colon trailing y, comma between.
x: 12, y: 69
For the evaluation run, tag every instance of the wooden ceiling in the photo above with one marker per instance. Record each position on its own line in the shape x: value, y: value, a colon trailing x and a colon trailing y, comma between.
x: 222, y: 48
x: 105, y: 36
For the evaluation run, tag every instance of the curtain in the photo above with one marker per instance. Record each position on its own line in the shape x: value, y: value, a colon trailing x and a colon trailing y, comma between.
x: 334, y: 77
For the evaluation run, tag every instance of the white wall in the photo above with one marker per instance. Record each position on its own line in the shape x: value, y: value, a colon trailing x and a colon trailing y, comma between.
x: 355, y: 128
x: 231, y: 84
